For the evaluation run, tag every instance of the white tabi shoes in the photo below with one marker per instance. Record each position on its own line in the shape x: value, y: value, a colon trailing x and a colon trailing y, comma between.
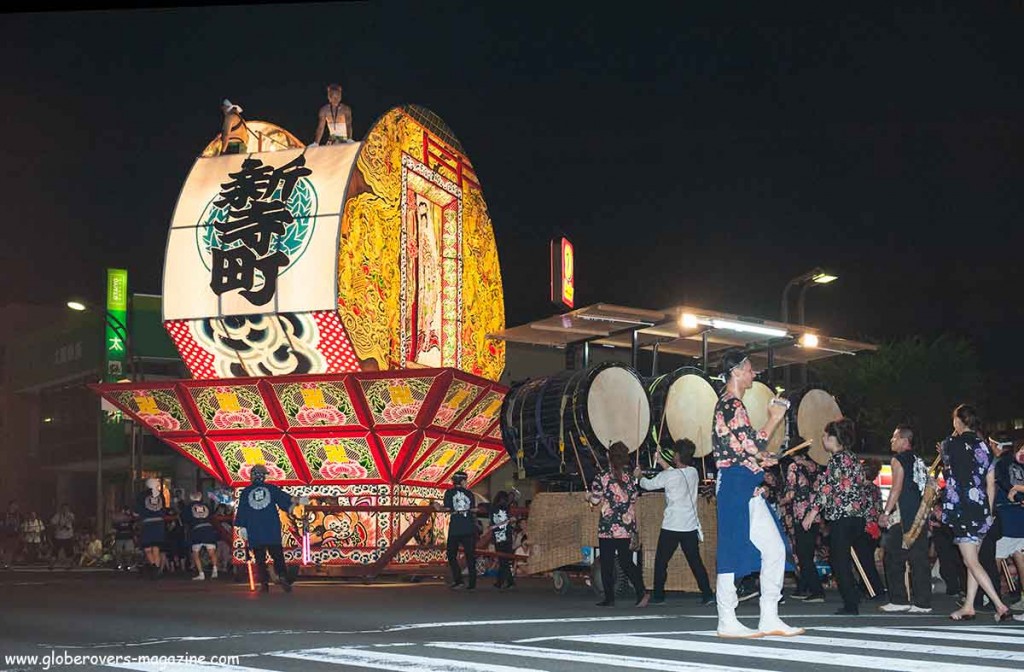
x: 729, y: 627
x: 770, y: 624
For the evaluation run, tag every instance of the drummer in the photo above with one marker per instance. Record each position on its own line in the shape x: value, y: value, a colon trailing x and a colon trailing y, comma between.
x: 680, y: 526
x: 753, y: 537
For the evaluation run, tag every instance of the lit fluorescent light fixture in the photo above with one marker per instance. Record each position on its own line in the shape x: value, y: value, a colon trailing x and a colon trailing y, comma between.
x: 747, y: 328
x: 809, y: 340
x: 689, y: 321
x: 824, y: 278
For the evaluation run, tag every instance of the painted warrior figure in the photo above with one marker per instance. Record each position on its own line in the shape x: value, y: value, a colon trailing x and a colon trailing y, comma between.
x: 428, y: 287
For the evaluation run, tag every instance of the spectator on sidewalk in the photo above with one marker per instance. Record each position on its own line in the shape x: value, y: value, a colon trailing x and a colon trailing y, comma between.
x: 10, y: 534
x: 63, y: 525
x: 32, y: 536
x: 124, y: 538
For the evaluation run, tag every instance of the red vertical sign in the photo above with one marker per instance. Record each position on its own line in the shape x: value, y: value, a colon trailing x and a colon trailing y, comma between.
x: 563, y: 273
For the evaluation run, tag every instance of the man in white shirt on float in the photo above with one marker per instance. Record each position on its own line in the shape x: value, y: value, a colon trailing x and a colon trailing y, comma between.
x: 680, y: 526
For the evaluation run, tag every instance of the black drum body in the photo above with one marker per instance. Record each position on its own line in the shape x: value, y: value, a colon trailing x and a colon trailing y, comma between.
x: 563, y: 424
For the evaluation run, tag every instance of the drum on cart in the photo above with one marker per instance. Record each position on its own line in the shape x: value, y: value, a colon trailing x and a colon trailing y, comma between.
x: 756, y: 400
x: 682, y: 407
x: 562, y: 425
x: 811, y: 408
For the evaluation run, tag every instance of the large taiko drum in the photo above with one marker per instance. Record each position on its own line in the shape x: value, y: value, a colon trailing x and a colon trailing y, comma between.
x: 682, y: 407
x: 756, y: 400
x: 811, y: 408
x: 566, y: 422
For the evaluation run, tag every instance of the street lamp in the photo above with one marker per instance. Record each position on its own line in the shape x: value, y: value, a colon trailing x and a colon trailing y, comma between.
x: 120, y: 328
x: 816, y: 276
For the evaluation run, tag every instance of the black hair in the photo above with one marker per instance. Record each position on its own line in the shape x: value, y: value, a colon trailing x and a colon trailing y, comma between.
x: 907, y: 432
x: 844, y: 431
x: 969, y: 416
x: 732, y: 358
x: 871, y: 469
x: 684, y: 450
x: 500, y: 499
x: 618, y: 457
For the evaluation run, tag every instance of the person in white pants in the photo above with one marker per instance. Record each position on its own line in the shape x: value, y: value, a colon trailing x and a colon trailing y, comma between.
x: 749, y: 536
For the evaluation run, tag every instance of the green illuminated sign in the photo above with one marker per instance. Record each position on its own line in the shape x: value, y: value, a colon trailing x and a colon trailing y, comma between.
x: 116, y: 335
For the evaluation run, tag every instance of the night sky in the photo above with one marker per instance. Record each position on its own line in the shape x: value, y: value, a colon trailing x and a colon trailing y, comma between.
x: 693, y: 155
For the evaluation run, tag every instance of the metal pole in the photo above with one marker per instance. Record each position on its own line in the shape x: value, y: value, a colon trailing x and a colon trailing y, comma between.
x: 99, y: 471
x: 704, y: 350
x: 654, y: 359
x: 785, y: 319
x: 800, y: 317
x: 586, y: 354
x: 634, y: 347
x: 133, y: 476
x: 771, y: 367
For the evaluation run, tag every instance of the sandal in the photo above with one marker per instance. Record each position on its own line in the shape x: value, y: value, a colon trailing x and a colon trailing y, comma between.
x: 960, y: 615
x: 1005, y: 615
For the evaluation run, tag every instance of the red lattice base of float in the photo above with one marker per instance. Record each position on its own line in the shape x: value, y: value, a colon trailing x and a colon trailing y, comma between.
x: 376, y: 440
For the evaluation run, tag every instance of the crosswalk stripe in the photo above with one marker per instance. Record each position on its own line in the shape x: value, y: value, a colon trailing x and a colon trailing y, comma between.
x: 398, y: 662
x: 1001, y: 629
x: 769, y: 652
x: 591, y: 658
x: 907, y: 647
x: 976, y: 637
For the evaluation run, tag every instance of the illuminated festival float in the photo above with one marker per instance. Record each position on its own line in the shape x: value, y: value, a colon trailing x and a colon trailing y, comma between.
x: 332, y: 305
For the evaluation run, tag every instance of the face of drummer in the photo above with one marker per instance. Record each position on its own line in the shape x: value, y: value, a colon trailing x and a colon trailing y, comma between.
x: 744, y: 375
x: 831, y: 443
x: 898, y: 443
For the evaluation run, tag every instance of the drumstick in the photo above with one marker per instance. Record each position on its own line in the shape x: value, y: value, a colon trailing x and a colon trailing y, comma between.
x: 1006, y: 571
x: 860, y: 570
x: 796, y: 448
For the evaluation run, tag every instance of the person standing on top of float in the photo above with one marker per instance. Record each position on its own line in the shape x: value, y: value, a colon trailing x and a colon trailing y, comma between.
x: 750, y: 537
x: 259, y: 526
x: 199, y: 518
x: 461, y: 529
x: 680, y: 526
x: 151, y: 509
x: 335, y: 117
x: 234, y: 134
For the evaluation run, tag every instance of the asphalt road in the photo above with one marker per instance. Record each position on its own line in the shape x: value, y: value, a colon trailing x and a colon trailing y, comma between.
x: 424, y: 627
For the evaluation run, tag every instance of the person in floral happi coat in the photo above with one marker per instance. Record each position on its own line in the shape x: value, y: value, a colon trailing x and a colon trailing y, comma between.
x: 841, y: 499
x: 616, y: 491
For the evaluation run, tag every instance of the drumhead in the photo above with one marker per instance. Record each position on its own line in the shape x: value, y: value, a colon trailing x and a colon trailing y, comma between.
x: 690, y: 411
x: 816, y: 409
x: 756, y: 400
x: 618, y: 408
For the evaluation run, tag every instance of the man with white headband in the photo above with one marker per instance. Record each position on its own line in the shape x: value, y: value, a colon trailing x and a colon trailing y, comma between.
x: 749, y: 535
x: 259, y: 525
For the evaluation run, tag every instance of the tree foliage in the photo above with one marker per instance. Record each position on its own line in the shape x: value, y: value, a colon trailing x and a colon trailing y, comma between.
x: 910, y: 380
